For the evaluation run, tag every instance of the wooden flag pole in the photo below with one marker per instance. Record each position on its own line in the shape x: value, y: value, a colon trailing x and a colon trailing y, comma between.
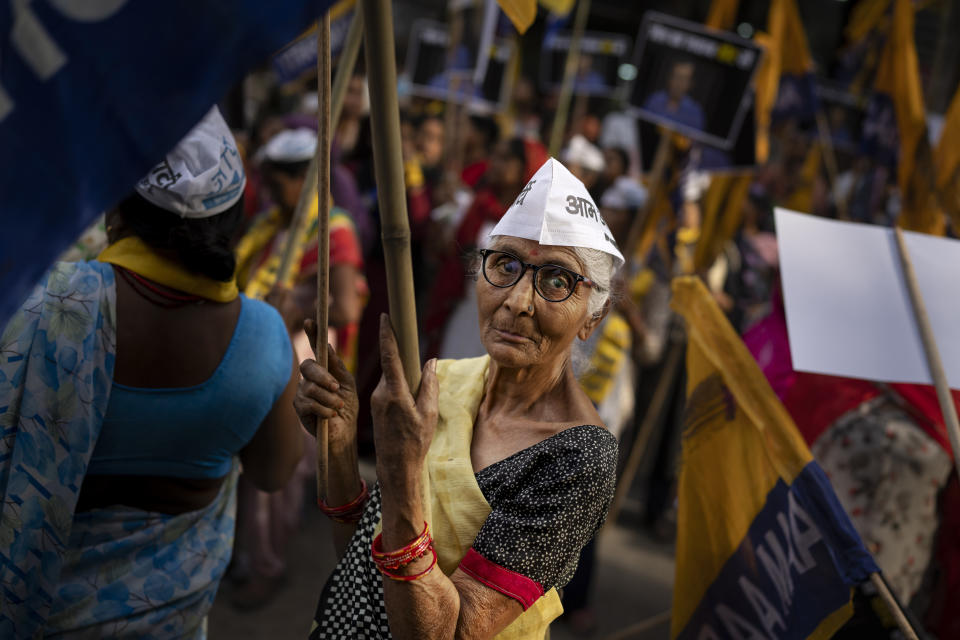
x: 345, y: 66
x: 893, y: 606
x: 661, y: 159
x: 672, y: 368
x: 391, y: 193
x: 930, y: 348
x: 323, y: 230
x: 569, y: 77
x: 829, y: 155
x: 348, y: 60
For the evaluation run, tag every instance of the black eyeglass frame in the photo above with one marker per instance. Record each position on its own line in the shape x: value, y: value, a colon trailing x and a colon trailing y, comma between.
x: 536, y: 268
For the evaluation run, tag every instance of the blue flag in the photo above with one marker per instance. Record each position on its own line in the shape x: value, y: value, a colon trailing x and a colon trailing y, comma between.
x: 93, y: 93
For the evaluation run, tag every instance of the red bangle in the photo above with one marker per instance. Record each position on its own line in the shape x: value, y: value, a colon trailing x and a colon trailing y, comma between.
x: 412, y: 577
x: 349, y: 513
x: 403, y: 556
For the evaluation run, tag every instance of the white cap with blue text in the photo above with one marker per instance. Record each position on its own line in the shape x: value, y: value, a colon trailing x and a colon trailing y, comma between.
x: 556, y: 209
x: 202, y: 176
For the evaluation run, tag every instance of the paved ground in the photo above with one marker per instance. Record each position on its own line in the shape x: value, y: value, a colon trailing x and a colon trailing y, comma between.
x: 634, y: 582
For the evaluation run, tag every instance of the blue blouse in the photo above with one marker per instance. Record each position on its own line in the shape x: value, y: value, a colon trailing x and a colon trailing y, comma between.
x: 194, y: 432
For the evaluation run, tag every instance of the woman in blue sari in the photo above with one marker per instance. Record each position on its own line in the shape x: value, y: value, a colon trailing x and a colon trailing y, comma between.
x: 129, y: 386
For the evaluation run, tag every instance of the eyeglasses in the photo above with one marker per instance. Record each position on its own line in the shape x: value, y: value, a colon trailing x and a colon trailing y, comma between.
x: 554, y: 283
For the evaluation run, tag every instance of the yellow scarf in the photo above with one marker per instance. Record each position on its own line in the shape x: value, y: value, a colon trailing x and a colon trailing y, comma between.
x: 134, y: 254
x: 455, y: 506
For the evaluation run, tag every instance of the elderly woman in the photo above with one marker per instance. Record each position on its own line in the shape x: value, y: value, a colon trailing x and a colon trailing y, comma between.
x: 495, y: 473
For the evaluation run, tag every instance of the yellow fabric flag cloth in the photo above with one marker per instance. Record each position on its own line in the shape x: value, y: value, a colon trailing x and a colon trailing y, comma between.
x: 521, y: 12
x: 898, y: 77
x: 454, y: 504
x: 763, y: 547
x: 722, y: 14
x: 558, y: 7
x: 134, y: 254
x: 947, y: 162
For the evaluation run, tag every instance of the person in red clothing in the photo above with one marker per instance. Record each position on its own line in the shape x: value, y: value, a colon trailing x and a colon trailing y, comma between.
x: 512, y: 164
x: 481, y: 137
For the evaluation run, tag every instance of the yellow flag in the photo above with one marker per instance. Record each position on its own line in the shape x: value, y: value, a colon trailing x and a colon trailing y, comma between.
x: 722, y: 15
x: 520, y: 12
x: 898, y: 78
x: 864, y: 18
x: 764, y: 549
x: 722, y: 211
x: 947, y: 162
x: 787, y: 54
x: 558, y: 7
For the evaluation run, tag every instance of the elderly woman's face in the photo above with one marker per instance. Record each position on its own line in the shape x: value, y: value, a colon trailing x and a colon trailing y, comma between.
x: 517, y: 326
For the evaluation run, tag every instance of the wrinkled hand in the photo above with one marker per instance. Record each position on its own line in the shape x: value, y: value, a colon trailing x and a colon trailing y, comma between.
x: 329, y: 393
x: 403, y: 426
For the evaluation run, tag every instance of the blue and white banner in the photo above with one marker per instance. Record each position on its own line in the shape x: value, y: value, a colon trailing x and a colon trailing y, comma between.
x: 94, y: 92
x: 301, y: 54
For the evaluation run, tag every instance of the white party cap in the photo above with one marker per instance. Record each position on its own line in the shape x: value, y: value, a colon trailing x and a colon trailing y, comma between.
x: 581, y: 151
x: 202, y: 176
x: 556, y: 209
x: 291, y: 145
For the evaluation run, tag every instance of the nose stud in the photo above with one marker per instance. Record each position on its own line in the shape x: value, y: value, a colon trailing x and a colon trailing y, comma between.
x: 529, y: 308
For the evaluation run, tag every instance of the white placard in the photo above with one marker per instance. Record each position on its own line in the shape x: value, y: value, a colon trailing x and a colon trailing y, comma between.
x: 848, y: 309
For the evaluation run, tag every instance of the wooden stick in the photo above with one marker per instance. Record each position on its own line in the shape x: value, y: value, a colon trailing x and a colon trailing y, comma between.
x: 660, y: 161
x: 323, y: 231
x: 634, y: 630
x: 391, y: 194
x: 345, y: 66
x: 348, y: 60
x: 829, y: 156
x: 930, y: 348
x: 893, y: 606
x: 661, y: 395
x: 569, y: 77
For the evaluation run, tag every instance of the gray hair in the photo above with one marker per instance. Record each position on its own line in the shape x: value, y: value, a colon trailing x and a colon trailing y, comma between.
x: 600, y: 267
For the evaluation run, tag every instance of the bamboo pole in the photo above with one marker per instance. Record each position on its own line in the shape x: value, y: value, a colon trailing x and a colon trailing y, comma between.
x: 829, y: 156
x: 569, y: 76
x: 323, y: 231
x: 348, y: 60
x: 893, y: 606
x: 661, y: 395
x: 391, y: 194
x: 930, y: 348
x: 661, y: 159
x: 345, y: 66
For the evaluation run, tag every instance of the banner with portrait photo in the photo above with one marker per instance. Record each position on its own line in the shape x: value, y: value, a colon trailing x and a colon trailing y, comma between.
x: 693, y: 80
x: 741, y: 158
x: 434, y: 73
x: 601, y: 55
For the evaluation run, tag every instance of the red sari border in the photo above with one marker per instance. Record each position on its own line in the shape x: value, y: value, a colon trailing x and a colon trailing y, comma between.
x: 509, y: 583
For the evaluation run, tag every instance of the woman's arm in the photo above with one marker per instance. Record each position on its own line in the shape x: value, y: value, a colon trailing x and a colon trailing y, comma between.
x: 433, y: 606
x: 331, y: 394
x: 273, y: 453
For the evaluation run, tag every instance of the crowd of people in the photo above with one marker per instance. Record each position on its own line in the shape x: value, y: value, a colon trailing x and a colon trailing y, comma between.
x: 201, y: 302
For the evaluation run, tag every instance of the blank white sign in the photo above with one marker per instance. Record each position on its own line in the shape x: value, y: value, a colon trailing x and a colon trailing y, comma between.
x: 848, y: 310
